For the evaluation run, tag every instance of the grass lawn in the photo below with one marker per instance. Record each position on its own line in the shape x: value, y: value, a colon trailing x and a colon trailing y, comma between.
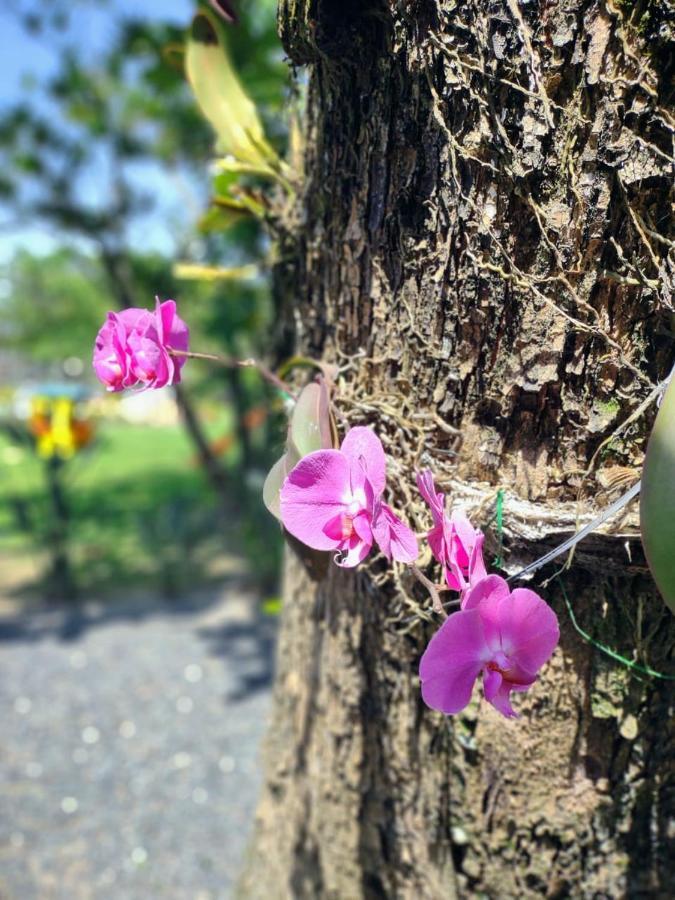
x: 141, y: 509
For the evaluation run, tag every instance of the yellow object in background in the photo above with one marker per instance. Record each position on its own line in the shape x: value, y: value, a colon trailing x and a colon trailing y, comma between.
x: 58, y: 431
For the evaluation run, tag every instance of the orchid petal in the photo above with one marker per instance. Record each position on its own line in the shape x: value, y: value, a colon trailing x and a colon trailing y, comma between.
x: 463, y: 529
x: 452, y: 661
x: 492, y: 681
x: 365, y: 452
x: 488, y: 594
x: 393, y: 536
x: 477, y: 569
x: 172, y: 330
x: 437, y: 543
x: 492, y: 586
x: 451, y: 693
x: 313, y: 494
x: 497, y: 692
x: 529, y: 627
x: 358, y: 546
x: 427, y: 488
x: 132, y: 347
x: 137, y: 320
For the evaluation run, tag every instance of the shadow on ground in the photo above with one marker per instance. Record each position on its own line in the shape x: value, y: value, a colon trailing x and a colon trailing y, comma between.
x: 131, y: 734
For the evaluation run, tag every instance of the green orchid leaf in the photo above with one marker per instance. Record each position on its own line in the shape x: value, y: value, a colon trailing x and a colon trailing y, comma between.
x: 312, y: 428
x: 222, y: 216
x: 305, y: 431
x: 657, y: 499
x: 275, y: 479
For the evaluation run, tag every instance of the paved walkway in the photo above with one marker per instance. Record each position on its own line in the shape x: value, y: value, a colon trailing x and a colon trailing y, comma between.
x: 129, y: 747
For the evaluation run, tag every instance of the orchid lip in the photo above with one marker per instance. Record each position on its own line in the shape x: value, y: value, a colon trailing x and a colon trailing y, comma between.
x: 347, y: 526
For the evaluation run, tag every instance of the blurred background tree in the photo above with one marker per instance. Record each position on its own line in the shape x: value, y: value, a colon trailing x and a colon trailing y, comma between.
x: 105, y: 162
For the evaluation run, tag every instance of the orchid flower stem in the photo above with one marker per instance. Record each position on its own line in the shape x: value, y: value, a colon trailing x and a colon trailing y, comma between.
x: 231, y: 363
x: 433, y: 591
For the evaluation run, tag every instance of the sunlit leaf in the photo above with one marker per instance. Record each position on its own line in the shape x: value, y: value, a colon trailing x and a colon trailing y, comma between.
x: 222, y: 216
x: 195, y: 272
x: 657, y: 499
x: 222, y: 98
x: 229, y: 165
x: 272, y: 606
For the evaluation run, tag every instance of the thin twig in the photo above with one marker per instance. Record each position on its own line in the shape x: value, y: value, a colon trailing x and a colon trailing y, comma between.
x: 231, y: 363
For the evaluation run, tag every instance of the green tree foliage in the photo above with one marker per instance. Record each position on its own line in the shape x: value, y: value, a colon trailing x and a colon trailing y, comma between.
x: 108, y: 122
x: 90, y: 153
x: 55, y: 305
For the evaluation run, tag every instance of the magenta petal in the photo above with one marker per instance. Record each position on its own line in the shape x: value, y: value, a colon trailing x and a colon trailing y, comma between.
x: 491, y: 587
x: 437, y: 543
x: 487, y: 595
x: 451, y: 693
x: 394, y: 538
x: 464, y: 531
x: 477, y: 569
x: 362, y: 526
x: 349, y: 557
x: 454, y: 572
x: 313, y: 494
x: 427, y: 488
x: 497, y: 692
x: 452, y: 661
x: 136, y: 319
x: 333, y: 528
x: 175, y: 333
x: 454, y: 578
x: 109, y: 359
x: 165, y: 373
x: 364, y: 451
x: 358, y: 546
x: 459, y: 640
x: 519, y: 679
x: 529, y: 628
x: 164, y: 313
x: 145, y: 358
x: 492, y: 681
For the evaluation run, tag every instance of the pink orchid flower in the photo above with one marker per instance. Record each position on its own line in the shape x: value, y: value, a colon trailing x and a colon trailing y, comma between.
x: 331, y: 500
x: 455, y: 543
x: 132, y: 347
x: 508, y: 636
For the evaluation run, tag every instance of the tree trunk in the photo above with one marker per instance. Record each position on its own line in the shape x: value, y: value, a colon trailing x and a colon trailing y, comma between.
x: 61, y: 585
x: 483, y: 246
x: 209, y: 461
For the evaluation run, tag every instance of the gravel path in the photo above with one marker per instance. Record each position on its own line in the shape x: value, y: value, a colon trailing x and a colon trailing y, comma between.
x: 129, y: 747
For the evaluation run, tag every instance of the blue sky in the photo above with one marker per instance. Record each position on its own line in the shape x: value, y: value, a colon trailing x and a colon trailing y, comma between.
x: 25, y: 58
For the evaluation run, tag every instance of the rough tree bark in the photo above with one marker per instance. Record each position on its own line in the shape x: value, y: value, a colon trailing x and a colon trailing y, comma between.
x: 483, y: 243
